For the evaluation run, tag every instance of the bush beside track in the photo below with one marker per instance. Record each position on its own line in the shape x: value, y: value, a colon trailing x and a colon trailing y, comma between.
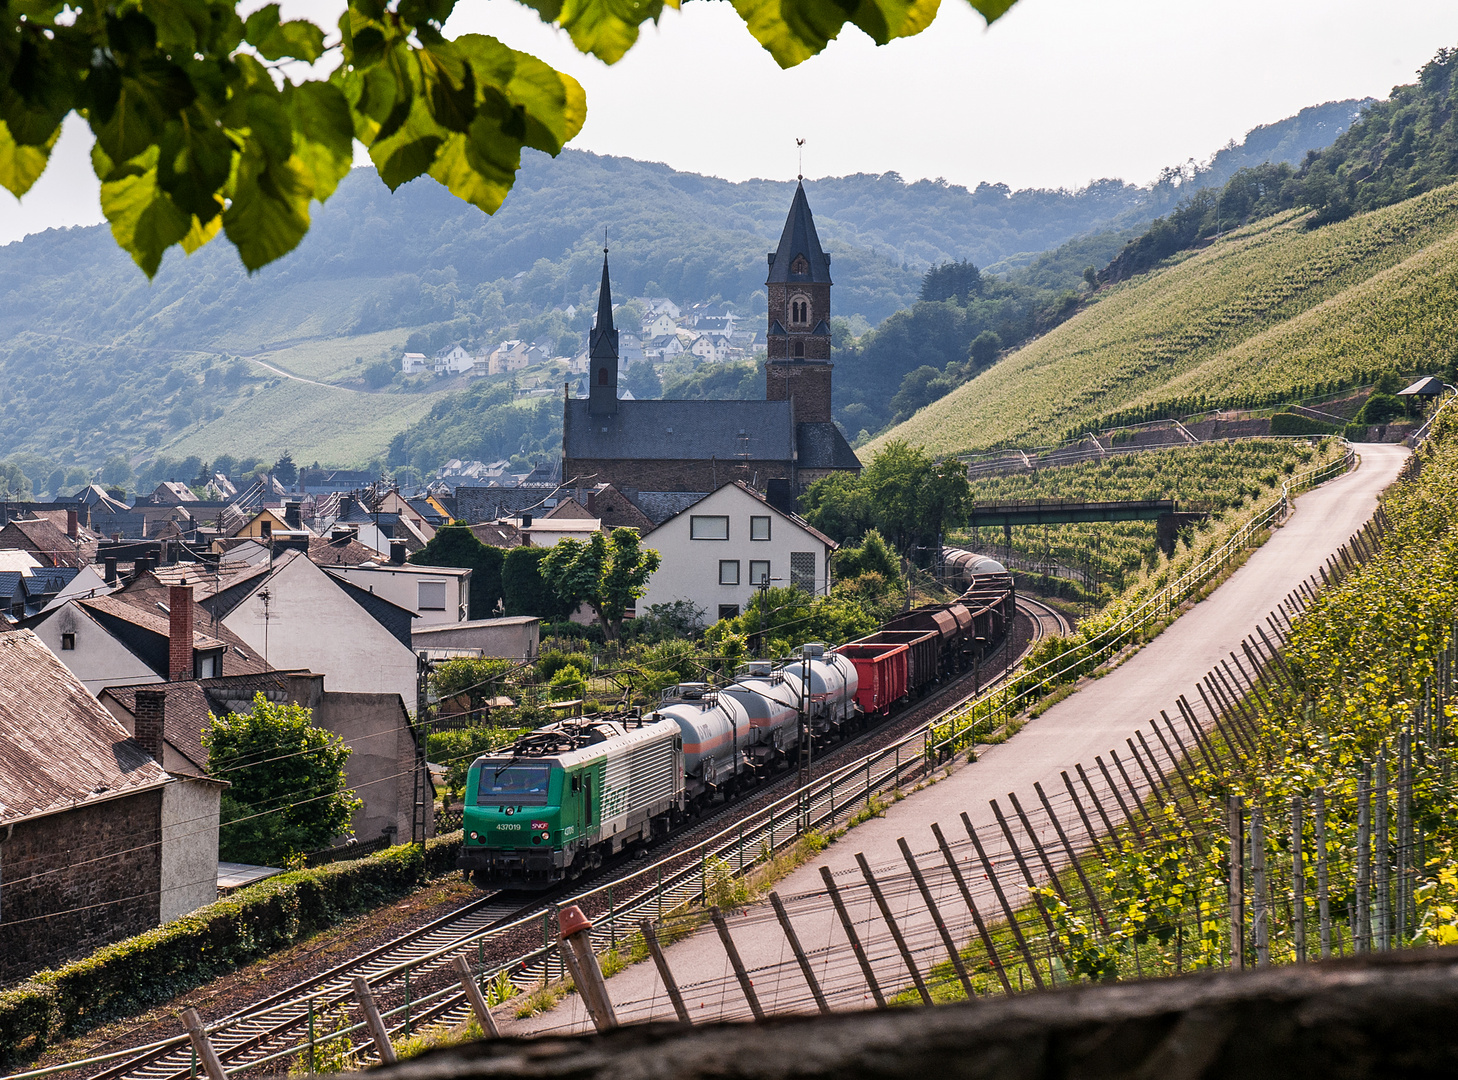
x: 141, y: 971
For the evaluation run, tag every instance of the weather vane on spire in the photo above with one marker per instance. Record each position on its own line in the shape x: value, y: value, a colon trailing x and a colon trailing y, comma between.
x: 800, y: 144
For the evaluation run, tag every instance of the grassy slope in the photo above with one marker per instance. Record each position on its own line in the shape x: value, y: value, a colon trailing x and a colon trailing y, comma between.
x: 1271, y: 312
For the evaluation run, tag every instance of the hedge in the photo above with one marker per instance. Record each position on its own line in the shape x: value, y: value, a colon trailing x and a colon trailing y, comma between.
x: 1286, y: 423
x: 128, y: 976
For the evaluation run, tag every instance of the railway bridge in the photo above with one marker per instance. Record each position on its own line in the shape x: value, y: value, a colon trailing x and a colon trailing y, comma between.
x: 1165, y: 513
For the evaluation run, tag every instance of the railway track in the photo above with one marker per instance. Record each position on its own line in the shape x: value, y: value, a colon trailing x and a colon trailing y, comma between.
x: 1047, y: 621
x: 261, y: 1028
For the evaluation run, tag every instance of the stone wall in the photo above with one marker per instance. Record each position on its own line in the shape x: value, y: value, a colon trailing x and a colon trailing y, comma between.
x: 808, y: 384
x: 818, y: 294
x: 74, y: 881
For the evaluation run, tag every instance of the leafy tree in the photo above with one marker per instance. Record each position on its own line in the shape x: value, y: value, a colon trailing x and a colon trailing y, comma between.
x: 985, y: 347
x: 378, y: 375
x: 643, y: 383
x: 14, y: 484
x: 456, y: 545
x: 285, y: 471
x: 525, y: 591
x: 288, y: 793
x: 872, y: 556
x: 779, y: 619
x: 116, y: 471
x: 606, y: 572
x: 197, y: 133
x: 951, y: 281
x: 909, y: 497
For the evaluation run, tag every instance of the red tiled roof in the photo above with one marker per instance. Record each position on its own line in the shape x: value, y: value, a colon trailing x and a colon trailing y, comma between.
x: 59, y: 747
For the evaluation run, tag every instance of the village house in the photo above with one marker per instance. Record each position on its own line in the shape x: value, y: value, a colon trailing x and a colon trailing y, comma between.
x: 453, y: 360
x: 514, y: 355
x: 97, y: 840
x: 719, y: 550
x: 435, y: 594
x: 413, y: 363
x: 375, y: 727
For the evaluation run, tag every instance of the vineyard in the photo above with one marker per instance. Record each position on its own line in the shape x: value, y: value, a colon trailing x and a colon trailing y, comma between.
x: 1220, y: 478
x: 1317, y: 818
x: 1271, y: 313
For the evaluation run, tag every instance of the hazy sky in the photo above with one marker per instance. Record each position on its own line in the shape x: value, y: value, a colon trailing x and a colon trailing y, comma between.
x: 1056, y: 93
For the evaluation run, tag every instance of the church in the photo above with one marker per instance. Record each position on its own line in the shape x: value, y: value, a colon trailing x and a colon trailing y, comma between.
x: 779, y: 445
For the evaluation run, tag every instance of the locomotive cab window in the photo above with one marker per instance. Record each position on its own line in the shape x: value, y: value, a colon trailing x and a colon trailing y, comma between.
x: 513, y: 785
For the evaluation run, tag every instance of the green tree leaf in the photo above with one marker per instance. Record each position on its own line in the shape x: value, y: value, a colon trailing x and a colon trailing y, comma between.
x: 144, y: 220
x: 20, y: 165
x: 298, y: 39
x: 605, y: 28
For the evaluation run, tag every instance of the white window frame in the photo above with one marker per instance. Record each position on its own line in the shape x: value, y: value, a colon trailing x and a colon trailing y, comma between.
x: 754, y: 524
x: 723, y: 565
x: 697, y: 521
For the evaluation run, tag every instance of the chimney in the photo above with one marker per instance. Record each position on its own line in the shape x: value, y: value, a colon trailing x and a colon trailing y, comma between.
x: 73, y: 523
x: 293, y: 516
x: 151, y: 710
x: 111, y: 569
x: 179, y: 633
x: 526, y: 521
x: 779, y: 495
x: 397, y: 552
x: 346, y: 504
x: 140, y: 566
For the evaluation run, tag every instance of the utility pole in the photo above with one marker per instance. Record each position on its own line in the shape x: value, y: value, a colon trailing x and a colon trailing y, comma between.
x: 423, y: 803
x: 807, y: 737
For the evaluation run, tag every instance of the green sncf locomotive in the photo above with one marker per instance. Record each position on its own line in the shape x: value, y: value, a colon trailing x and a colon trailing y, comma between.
x: 566, y: 796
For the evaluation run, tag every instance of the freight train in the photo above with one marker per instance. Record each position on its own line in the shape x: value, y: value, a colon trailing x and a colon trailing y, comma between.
x: 567, y: 796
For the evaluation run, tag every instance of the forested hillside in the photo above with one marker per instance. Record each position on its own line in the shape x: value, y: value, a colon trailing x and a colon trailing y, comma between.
x: 98, y: 363
x: 1270, y: 313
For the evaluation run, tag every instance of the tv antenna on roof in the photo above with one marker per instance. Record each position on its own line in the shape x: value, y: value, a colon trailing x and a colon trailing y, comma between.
x: 800, y: 145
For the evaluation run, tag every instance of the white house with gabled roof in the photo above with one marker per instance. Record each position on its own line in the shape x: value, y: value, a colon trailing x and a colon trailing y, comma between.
x: 715, y: 553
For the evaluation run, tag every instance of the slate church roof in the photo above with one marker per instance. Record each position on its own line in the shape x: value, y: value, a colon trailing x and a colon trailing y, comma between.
x: 680, y: 430
x: 799, y: 239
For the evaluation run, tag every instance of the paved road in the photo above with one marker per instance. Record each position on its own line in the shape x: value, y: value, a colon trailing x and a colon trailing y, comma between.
x: 1098, y: 717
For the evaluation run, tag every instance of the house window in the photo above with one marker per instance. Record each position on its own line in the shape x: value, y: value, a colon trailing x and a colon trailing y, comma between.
x: 759, y: 571
x: 432, y: 596
x: 68, y: 642
x: 759, y: 528
x: 802, y: 570
x: 728, y: 611
x: 267, y: 527
x: 708, y: 527
x: 206, y: 667
x: 728, y: 571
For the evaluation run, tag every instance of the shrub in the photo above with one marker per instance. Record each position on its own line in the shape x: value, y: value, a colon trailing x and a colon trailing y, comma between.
x: 140, y: 971
x: 1286, y: 423
x: 1380, y: 408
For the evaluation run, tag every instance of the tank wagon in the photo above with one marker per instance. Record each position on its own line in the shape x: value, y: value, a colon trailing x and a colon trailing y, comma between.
x: 567, y: 796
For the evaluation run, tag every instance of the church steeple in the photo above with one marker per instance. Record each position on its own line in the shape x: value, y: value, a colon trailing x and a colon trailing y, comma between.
x: 799, y: 289
x: 602, y: 352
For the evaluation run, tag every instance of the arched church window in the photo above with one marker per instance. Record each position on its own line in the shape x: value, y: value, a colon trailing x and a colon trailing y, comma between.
x: 799, y: 349
x: 602, y: 376
x: 799, y: 310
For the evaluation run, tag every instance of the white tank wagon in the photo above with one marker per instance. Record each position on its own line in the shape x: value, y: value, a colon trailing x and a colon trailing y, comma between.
x: 715, y: 729
x: 831, y: 697
x: 961, y: 568
x: 772, y: 699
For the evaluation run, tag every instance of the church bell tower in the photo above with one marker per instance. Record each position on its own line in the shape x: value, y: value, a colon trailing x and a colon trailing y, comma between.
x: 798, y: 356
x: 602, y: 353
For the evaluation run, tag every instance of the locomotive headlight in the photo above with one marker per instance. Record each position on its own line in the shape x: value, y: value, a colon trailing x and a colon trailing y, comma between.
x: 475, y: 835
x: 546, y: 835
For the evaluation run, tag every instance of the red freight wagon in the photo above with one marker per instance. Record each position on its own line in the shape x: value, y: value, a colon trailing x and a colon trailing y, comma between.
x: 922, y: 662
x: 881, y: 671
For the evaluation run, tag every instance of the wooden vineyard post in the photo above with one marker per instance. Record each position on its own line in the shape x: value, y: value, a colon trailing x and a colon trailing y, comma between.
x: 475, y: 998
x: 1298, y: 880
x: 951, y: 860
x: 1362, y: 939
x: 576, y: 947
x: 850, y: 932
x: 890, y: 920
x: 1098, y: 806
x: 1119, y: 798
x: 1381, y: 878
x: 800, y: 958
x: 953, y: 953
x: 1236, y: 833
x: 1089, y: 830
x: 378, y: 1033
x: 1012, y: 921
x: 202, y: 1046
x: 740, y: 972
x: 1038, y: 847
x: 1093, y: 900
x: 1260, y: 884
x: 650, y: 937
x: 1323, y: 892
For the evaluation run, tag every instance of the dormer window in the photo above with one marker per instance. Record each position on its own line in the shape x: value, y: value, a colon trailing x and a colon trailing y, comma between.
x: 801, y: 265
